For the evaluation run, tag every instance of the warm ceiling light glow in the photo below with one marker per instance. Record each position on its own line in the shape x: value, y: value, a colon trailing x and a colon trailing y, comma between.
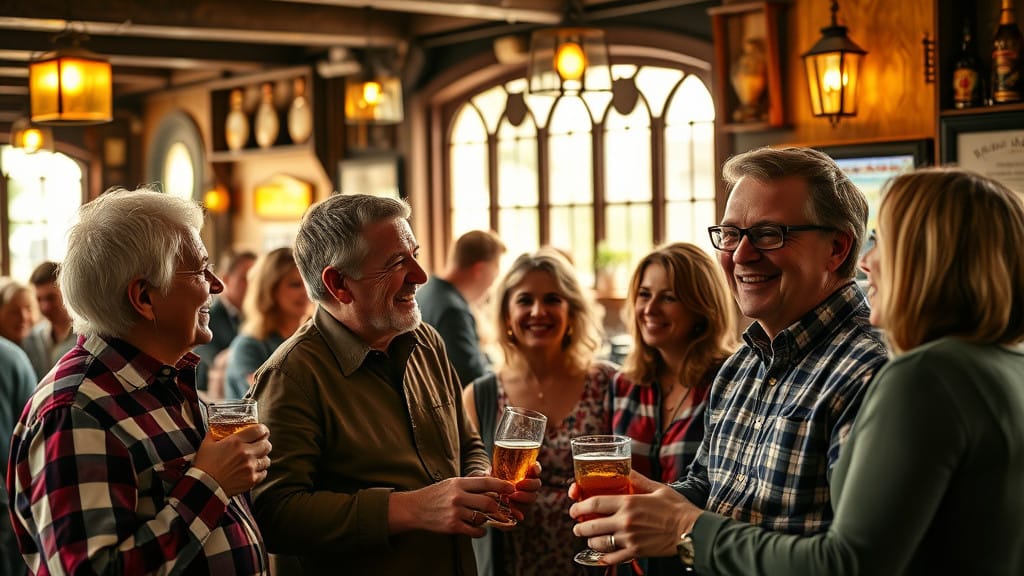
x: 29, y: 138
x: 376, y: 100
x: 570, y: 61
x: 70, y: 86
x: 371, y: 92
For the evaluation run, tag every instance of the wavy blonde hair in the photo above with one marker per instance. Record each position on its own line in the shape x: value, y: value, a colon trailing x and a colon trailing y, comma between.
x: 583, y: 335
x: 259, y: 306
x: 699, y: 284
x: 952, y: 262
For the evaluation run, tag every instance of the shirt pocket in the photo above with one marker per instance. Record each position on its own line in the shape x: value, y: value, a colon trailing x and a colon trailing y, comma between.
x: 446, y: 424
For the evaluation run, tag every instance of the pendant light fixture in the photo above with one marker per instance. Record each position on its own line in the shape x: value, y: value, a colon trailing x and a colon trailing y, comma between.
x: 373, y: 96
x: 71, y: 85
x: 30, y: 138
x: 833, y: 71
x: 569, y: 60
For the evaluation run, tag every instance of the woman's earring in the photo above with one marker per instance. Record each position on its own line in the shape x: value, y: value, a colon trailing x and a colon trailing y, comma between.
x: 508, y: 333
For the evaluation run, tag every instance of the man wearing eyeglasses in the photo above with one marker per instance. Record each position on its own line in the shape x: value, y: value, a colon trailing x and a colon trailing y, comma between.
x: 782, y: 406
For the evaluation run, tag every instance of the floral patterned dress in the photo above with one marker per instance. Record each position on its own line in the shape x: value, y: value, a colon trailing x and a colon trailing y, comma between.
x: 543, y: 543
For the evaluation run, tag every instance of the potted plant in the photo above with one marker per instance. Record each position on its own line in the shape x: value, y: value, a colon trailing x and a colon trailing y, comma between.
x: 609, y: 265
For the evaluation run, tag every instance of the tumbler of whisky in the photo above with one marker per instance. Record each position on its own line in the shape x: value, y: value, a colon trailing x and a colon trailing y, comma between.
x: 225, y: 418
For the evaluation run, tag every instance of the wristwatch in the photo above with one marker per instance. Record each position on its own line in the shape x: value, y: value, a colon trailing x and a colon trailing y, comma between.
x: 685, y: 549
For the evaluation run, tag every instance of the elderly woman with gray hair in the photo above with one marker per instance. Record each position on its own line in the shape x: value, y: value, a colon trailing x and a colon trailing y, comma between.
x: 110, y: 469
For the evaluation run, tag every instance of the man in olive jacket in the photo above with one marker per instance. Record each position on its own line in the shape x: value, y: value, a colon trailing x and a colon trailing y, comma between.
x: 376, y: 469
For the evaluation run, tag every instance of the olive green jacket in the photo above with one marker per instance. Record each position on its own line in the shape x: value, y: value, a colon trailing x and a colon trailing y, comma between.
x: 344, y: 438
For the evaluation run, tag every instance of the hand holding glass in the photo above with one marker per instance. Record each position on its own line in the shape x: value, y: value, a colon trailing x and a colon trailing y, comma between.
x: 517, y: 441
x: 602, y: 464
x: 225, y: 418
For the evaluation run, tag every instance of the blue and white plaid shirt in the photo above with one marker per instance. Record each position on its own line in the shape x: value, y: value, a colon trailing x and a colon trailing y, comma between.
x: 778, y: 414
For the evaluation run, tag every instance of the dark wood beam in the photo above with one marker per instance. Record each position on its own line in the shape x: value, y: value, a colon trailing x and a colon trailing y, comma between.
x: 243, y: 21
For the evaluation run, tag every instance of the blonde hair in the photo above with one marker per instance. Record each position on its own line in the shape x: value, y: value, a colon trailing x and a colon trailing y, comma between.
x: 699, y: 284
x: 951, y: 263
x: 583, y: 335
x: 259, y: 307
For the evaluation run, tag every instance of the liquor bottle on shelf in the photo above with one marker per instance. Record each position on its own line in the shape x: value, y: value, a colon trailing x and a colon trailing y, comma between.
x: 966, y: 73
x: 1006, y: 57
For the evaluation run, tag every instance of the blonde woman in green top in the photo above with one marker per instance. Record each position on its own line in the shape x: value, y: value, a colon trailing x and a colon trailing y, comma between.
x: 931, y: 480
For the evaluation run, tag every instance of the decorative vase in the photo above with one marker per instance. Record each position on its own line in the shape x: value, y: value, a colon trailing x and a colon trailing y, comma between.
x: 300, y: 114
x: 749, y: 78
x: 267, y: 124
x: 236, y: 126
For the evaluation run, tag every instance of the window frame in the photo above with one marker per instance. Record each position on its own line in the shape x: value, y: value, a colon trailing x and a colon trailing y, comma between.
x: 436, y: 105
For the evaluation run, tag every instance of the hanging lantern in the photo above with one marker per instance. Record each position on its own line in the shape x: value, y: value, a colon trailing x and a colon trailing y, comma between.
x: 29, y: 138
x: 568, y: 61
x: 70, y: 86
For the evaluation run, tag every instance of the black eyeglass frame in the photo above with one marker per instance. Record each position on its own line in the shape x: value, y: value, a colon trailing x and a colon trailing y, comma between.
x: 783, y: 230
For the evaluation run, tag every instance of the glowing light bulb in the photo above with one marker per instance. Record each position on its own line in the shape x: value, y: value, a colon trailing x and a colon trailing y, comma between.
x: 31, y: 140
x: 570, y: 61
x: 371, y: 92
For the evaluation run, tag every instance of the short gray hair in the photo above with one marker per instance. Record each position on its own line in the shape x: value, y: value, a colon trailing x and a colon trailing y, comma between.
x: 835, y: 201
x: 120, y: 236
x: 331, y: 236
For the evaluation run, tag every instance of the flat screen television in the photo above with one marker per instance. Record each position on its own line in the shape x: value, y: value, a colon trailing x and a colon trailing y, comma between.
x: 869, y: 166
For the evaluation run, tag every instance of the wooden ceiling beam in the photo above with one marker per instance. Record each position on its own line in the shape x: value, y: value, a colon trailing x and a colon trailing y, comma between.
x: 547, y: 12
x: 243, y: 21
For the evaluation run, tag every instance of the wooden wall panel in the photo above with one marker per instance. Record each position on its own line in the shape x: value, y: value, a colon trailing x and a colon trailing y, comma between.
x: 895, y: 102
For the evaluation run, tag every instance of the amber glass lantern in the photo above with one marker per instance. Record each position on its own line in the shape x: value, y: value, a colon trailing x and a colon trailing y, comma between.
x: 833, y: 71
x: 373, y: 99
x: 70, y: 86
x: 30, y: 138
x: 568, y: 61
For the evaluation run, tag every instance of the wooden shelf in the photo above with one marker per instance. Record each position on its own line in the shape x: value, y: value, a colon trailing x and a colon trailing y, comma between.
x: 245, y: 153
x: 281, y: 80
x: 994, y: 109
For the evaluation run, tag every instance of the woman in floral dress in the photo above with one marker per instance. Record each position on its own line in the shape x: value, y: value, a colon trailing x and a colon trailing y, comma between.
x: 549, y: 339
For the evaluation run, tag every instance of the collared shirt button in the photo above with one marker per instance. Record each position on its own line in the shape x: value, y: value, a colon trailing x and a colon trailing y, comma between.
x: 437, y: 476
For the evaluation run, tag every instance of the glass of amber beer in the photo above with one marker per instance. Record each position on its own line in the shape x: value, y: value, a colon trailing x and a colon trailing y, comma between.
x: 225, y: 418
x: 517, y: 441
x: 602, y: 465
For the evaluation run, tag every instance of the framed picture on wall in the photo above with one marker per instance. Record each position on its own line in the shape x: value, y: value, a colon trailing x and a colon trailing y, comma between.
x: 992, y: 144
x: 376, y: 175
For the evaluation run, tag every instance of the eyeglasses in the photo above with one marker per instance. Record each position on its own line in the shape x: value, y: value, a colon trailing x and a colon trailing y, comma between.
x: 762, y: 236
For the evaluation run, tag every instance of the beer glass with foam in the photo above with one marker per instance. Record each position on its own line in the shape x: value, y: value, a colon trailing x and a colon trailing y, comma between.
x: 517, y: 441
x: 602, y: 464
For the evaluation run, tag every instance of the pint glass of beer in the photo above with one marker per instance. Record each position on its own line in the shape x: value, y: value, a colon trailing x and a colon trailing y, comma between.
x: 227, y: 417
x: 602, y: 464
x: 517, y: 441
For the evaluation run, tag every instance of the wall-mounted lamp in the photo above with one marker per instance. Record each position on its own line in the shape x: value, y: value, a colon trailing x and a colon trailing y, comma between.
x: 569, y: 60
x: 29, y: 138
x: 833, y: 70
x: 70, y: 85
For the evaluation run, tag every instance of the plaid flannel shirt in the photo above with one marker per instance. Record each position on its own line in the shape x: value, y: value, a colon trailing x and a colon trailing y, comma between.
x: 101, y: 478
x: 779, y: 413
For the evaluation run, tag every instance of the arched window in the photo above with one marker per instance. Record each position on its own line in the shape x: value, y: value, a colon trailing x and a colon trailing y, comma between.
x: 42, y: 192
x: 605, y: 179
